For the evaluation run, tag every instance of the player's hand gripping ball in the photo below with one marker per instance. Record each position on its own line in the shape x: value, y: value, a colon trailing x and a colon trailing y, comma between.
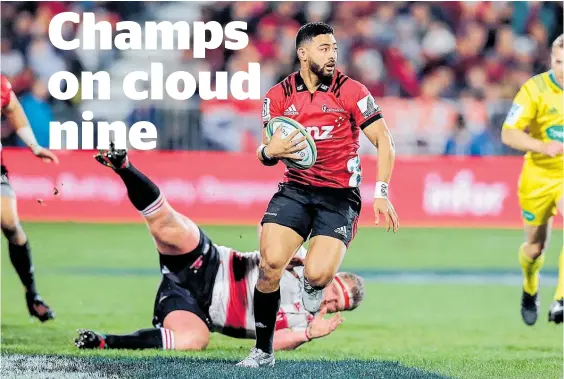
x: 306, y: 157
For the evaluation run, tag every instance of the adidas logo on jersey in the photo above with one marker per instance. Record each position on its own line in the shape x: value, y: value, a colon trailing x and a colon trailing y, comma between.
x: 291, y: 111
x: 342, y: 231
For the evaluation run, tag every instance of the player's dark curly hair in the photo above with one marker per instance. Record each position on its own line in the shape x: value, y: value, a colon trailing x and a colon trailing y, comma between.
x: 310, y: 31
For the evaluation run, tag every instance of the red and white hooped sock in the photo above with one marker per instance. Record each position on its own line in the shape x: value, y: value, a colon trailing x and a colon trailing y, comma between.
x: 168, y: 339
x: 154, y: 207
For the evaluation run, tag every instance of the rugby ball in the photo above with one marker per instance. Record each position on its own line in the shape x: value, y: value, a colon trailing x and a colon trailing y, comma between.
x: 308, y: 155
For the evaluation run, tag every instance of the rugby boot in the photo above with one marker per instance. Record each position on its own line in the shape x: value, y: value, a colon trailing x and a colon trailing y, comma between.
x: 38, y: 308
x: 311, y: 297
x: 257, y: 358
x: 87, y: 339
x: 113, y: 158
x: 530, y: 308
x: 556, y: 312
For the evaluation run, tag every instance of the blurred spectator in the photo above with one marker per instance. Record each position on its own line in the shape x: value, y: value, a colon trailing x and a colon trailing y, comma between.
x: 12, y: 60
x: 434, y: 52
x: 464, y: 142
x: 44, y: 60
x: 38, y: 111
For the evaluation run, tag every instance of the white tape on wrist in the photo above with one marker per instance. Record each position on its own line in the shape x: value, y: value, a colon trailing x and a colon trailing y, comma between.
x: 381, y: 190
x: 26, y: 134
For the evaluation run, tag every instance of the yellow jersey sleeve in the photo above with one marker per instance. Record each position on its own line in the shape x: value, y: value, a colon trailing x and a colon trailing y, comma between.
x: 524, y: 108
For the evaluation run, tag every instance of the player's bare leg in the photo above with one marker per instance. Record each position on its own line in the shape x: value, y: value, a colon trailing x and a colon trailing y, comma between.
x: 278, y: 244
x: 556, y: 312
x: 531, y: 258
x: 322, y: 261
x: 181, y: 331
x: 20, y: 255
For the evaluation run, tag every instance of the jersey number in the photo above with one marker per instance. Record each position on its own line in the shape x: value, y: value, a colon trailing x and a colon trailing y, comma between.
x: 353, y: 165
x: 321, y: 132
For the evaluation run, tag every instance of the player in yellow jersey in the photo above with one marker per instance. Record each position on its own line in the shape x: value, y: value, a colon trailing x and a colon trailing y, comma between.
x: 535, y: 125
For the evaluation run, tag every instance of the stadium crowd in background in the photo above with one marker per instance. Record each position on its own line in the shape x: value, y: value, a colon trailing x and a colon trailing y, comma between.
x: 476, y: 53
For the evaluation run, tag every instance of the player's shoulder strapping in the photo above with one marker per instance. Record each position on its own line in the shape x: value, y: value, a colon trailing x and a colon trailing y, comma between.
x: 340, y: 79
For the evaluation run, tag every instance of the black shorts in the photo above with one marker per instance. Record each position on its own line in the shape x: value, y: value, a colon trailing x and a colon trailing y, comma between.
x: 190, y: 287
x: 313, y: 211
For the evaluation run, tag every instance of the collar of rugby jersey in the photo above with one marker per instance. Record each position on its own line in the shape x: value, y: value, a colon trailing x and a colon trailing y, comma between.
x: 553, y: 79
x: 301, y: 86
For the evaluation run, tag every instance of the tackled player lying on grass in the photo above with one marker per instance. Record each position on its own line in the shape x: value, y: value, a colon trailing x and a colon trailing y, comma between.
x: 209, y: 288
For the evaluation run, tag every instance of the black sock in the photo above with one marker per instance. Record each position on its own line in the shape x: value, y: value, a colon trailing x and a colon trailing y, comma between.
x: 20, y: 255
x: 141, y: 190
x: 142, y: 339
x: 266, y: 307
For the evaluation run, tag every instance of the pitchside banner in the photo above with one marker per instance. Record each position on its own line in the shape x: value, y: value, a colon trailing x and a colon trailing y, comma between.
x: 227, y: 188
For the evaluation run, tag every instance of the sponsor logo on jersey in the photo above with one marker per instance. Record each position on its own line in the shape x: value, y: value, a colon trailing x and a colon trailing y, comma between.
x: 291, y: 111
x: 320, y: 132
x: 528, y: 215
x: 367, y: 106
x: 266, y: 110
x: 514, y: 114
x: 325, y: 108
x: 300, y: 87
x: 556, y: 133
x: 324, y: 87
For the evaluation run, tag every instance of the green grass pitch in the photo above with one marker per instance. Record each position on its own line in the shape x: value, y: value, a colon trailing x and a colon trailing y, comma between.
x: 440, y: 303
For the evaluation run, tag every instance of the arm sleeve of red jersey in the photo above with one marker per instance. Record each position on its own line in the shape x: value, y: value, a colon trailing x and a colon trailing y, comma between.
x: 5, y: 91
x: 273, y: 104
x: 362, y: 106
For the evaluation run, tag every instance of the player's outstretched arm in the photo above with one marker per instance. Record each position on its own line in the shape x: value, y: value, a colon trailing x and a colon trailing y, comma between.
x: 287, y: 339
x: 16, y: 116
x: 380, y: 136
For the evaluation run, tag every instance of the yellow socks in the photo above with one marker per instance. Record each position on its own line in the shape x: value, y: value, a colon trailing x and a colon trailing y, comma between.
x: 531, y: 268
x: 560, y: 285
